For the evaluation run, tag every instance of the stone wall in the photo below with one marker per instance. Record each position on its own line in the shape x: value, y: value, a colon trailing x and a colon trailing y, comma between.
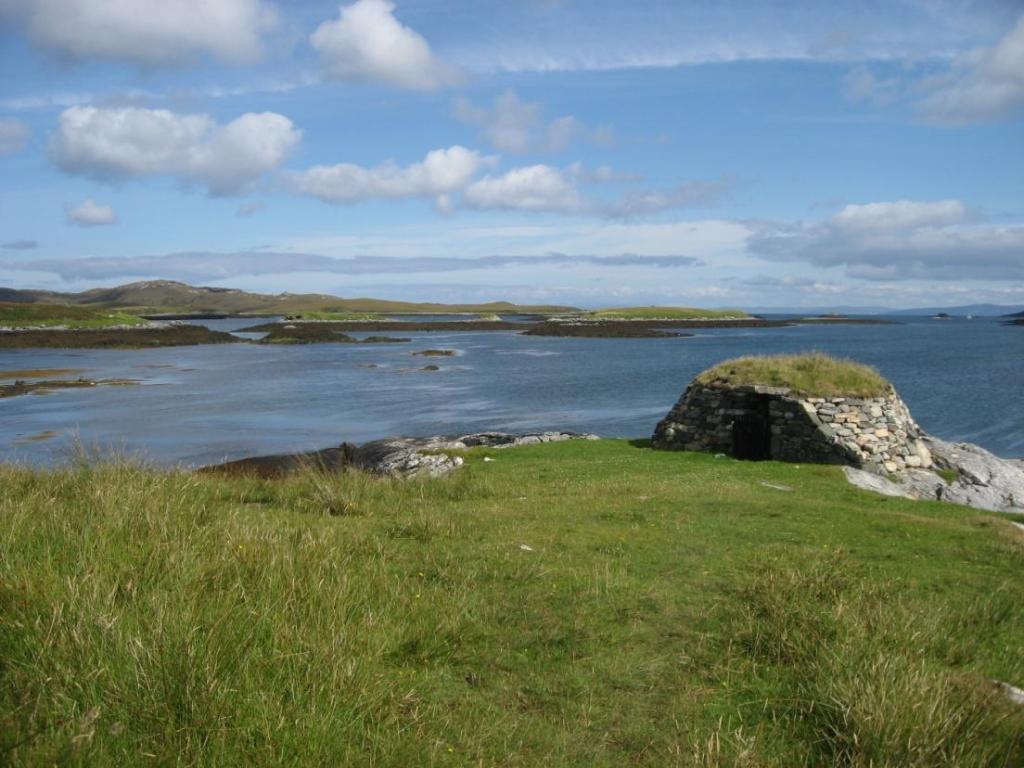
x: 878, y: 434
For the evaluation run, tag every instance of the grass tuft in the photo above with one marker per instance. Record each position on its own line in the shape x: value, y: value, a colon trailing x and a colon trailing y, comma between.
x: 813, y: 375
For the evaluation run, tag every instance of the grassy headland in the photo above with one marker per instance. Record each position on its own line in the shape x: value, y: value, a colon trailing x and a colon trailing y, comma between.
x: 592, y: 604
x: 335, y: 317
x: 156, y: 297
x: 814, y: 375
x: 666, y: 313
x: 16, y: 315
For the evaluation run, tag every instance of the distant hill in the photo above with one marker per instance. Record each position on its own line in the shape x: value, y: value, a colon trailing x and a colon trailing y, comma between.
x: 170, y: 296
x: 978, y: 310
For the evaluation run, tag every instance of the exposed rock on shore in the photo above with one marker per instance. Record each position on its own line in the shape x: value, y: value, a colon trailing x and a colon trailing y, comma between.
x: 400, y: 456
x: 973, y: 476
x: 170, y: 336
x: 20, y: 387
x: 628, y: 329
x: 318, y: 333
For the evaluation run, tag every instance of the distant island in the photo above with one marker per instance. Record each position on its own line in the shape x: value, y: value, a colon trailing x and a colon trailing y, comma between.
x: 167, y: 298
x: 154, y: 313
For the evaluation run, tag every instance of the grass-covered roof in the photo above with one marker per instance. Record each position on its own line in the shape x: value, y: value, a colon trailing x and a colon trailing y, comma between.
x: 812, y: 375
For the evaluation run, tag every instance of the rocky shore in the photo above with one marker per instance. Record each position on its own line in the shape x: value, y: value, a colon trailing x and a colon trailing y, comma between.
x: 129, y: 338
x: 967, y: 474
x: 318, y: 333
x: 47, y: 385
x: 629, y: 329
x: 399, y: 456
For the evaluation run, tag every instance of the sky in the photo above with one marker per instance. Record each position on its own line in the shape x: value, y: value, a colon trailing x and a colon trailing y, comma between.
x: 588, y: 152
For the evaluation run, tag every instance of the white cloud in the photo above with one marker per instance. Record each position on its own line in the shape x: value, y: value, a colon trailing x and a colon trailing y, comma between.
x: 147, y: 32
x: 532, y: 188
x: 984, y: 85
x: 900, y: 215
x: 366, y: 43
x: 13, y: 136
x: 211, y: 266
x: 91, y: 214
x: 441, y: 173
x: 133, y: 143
x: 899, y: 240
x: 514, y: 125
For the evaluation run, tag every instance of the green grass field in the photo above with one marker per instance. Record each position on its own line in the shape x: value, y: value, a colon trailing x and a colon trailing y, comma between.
x: 49, y: 315
x: 666, y: 313
x: 574, y: 604
x: 340, y: 316
x: 812, y: 374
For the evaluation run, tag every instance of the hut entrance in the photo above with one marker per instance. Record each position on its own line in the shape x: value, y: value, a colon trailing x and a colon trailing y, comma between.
x: 751, y: 432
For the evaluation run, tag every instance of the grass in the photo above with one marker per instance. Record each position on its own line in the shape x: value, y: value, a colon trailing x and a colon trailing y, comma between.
x: 340, y: 316
x: 18, y: 315
x: 592, y: 604
x: 667, y: 313
x: 812, y: 375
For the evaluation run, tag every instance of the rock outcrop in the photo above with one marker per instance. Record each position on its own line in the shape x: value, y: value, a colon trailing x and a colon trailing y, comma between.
x: 976, y: 478
x: 398, y: 456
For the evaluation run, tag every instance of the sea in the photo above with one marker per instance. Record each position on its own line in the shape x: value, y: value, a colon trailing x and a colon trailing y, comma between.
x: 962, y: 378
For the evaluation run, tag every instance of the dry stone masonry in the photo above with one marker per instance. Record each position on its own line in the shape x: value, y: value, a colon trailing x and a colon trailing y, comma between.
x: 757, y: 422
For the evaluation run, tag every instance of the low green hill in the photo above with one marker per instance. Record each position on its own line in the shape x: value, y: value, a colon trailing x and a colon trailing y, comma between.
x: 171, y: 297
x: 21, y: 315
x: 667, y: 313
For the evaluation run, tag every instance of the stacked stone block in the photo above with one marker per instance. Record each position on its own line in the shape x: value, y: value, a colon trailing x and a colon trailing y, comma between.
x: 876, y: 433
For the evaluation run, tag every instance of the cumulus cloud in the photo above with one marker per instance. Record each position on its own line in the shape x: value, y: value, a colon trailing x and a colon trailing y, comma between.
x: 441, y: 173
x: 13, y: 136
x: 532, y: 188
x: 983, y: 85
x: 131, y: 142
x: 513, y: 125
x: 91, y: 214
x: 20, y: 245
x: 899, y: 240
x: 147, y: 32
x: 207, y: 266
x: 557, y: 190
x: 366, y: 43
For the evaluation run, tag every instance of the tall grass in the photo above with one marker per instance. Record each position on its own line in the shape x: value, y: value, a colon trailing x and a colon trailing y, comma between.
x: 573, y: 604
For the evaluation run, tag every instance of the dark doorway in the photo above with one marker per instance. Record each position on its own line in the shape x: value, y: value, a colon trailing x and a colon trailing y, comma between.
x: 751, y: 432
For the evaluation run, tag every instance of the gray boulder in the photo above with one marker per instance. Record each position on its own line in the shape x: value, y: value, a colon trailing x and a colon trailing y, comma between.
x: 983, y: 481
x: 398, y: 456
x: 410, y: 456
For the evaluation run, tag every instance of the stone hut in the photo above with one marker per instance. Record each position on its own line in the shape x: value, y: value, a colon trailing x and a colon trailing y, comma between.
x: 747, y: 420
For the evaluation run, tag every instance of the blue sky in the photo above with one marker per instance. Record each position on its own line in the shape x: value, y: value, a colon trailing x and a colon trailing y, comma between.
x: 596, y: 153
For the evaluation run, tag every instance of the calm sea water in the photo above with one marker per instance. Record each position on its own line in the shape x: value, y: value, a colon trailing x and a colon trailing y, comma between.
x: 963, y: 380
